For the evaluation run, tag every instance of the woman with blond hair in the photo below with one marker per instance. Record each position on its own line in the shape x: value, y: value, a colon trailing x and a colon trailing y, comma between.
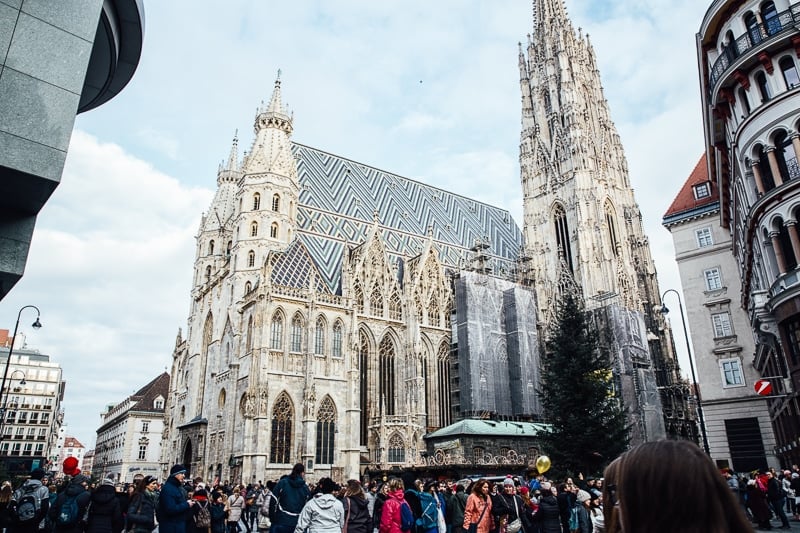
x: 392, y: 510
x: 692, y: 495
x: 478, y: 512
x: 356, y: 509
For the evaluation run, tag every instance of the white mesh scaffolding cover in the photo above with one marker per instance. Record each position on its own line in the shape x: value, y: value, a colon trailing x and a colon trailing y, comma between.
x: 498, y: 348
x: 624, y: 334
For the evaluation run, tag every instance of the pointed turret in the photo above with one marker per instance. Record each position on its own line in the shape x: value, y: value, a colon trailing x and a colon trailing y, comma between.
x: 229, y: 172
x: 271, y: 151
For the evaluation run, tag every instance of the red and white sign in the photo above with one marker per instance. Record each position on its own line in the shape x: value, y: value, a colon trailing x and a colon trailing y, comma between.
x: 763, y: 387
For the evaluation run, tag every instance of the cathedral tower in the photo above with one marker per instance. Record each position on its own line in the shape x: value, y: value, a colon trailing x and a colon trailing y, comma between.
x: 582, y: 226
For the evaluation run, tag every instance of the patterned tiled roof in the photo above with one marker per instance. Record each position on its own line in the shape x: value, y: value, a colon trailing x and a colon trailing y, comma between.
x: 489, y: 427
x: 686, y: 202
x: 296, y: 268
x: 339, y: 199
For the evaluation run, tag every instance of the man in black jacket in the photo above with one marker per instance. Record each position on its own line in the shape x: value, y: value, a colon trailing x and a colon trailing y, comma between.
x: 68, y: 513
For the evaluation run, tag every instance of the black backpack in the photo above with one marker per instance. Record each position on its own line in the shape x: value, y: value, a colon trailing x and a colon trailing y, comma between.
x: 28, y: 508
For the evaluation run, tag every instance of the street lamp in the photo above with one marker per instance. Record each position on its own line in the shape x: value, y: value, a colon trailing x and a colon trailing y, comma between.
x: 664, y: 311
x: 35, y: 325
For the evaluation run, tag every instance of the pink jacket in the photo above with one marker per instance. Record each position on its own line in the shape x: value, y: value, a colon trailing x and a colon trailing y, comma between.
x: 390, y: 512
x: 473, y: 510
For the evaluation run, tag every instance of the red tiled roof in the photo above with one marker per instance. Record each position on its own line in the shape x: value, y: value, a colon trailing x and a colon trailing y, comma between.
x: 685, y: 201
x: 72, y: 442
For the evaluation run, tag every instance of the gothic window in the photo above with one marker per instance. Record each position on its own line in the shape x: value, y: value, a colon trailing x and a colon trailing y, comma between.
x: 254, y: 229
x: 208, y: 273
x: 443, y: 389
x: 221, y: 399
x: 248, y: 287
x: 282, y: 416
x: 276, y: 332
x: 562, y: 235
x: 433, y: 312
x: 376, y: 302
x: 273, y: 230
x: 395, y: 308
x: 363, y: 354
x: 326, y: 428
x: 319, y: 337
x: 336, y: 349
x: 251, y: 258
x: 207, y: 332
x: 256, y: 202
x: 276, y: 202
x: 611, y: 223
x: 397, y: 449
x: 296, y: 334
x: 789, y: 71
x: 386, y: 357
x: 420, y: 312
x: 228, y: 249
x: 211, y: 247
x: 358, y: 298
x: 249, y: 338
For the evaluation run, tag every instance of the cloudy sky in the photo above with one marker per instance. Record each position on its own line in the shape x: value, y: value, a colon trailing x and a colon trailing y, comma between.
x: 426, y: 90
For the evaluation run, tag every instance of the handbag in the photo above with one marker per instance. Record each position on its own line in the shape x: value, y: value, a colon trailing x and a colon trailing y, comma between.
x: 263, y: 521
x: 473, y: 526
x: 516, y: 524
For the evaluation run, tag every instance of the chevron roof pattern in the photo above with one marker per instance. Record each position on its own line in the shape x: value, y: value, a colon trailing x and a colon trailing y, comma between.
x: 340, y: 199
x: 296, y: 268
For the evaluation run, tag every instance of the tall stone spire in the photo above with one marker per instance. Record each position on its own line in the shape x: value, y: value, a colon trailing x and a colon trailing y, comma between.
x: 271, y: 150
x: 229, y: 172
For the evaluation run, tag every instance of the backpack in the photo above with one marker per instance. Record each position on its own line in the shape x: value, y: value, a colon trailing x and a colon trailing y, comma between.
x: 28, y: 509
x: 574, y: 523
x: 69, y: 513
x: 406, y: 517
x: 202, y: 519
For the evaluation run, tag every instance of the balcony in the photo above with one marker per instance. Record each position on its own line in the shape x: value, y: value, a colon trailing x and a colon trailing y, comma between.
x: 766, y: 32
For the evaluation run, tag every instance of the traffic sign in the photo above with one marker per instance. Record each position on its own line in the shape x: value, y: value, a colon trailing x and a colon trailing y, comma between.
x: 763, y: 387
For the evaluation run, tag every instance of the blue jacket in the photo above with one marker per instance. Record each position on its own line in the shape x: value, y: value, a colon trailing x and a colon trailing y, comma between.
x: 173, y: 509
x: 291, y: 494
x: 429, y: 518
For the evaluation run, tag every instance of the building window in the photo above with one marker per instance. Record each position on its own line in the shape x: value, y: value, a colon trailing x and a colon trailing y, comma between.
x: 211, y: 247
x: 256, y: 202
x: 273, y: 230
x: 763, y: 87
x: 142, y: 452
x: 145, y: 426
x: 397, y: 449
x: 254, y: 229
x: 395, y: 308
x: 704, y: 237
x: 732, y: 375
x: 282, y: 416
x: 319, y: 337
x: 248, y: 287
x: 363, y: 369
x: 276, y: 203
x: 337, y: 340
x: 789, y: 71
x: 297, y: 335
x: 722, y: 325
x: 251, y: 258
x: 376, y: 302
x: 477, y: 454
x: 358, y: 298
x: 713, y: 279
x: 276, y: 337
x: 159, y: 403
x: 612, y: 227
x: 386, y: 362
x: 326, y: 428
x: 702, y: 190
x: 562, y: 235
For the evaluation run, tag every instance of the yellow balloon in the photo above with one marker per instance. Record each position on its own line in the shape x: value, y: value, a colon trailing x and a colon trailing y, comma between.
x: 542, y: 464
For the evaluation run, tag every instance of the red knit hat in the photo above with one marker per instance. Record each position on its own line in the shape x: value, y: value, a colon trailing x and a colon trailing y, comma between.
x: 71, y: 466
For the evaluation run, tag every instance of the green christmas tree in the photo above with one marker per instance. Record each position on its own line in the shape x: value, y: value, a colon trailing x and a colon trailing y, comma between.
x: 589, y: 427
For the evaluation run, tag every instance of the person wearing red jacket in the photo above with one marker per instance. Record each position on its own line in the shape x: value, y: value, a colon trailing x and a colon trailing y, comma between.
x: 391, y: 513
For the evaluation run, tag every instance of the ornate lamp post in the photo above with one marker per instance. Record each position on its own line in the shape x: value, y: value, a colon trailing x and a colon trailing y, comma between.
x: 4, y: 402
x: 664, y: 311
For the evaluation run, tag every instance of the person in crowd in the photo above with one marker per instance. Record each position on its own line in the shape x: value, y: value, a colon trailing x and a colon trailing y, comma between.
x: 323, y: 513
x: 596, y: 514
x: 456, y: 507
x: 356, y: 508
x: 141, y: 514
x: 380, y: 500
x: 428, y: 519
x: 566, y: 497
x: 68, y: 513
x: 548, y: 514
x: 105, y: 514
x: 795, y: 484
x: 582, y: 503
x: 29, y: 505
x: 290, y: 496
x: 253, y: 500
x: 777, y: 498
x: 757, y: 503
x: 371, y: 494
x: 479, y: 508
x: 174, y: 505
x: 508, y: 507
x: 235, y: 508
x: 217, y: 510
x: 692, y: 498
x: 6, y: 507
x: 390, y: 513
x: 263, y: 499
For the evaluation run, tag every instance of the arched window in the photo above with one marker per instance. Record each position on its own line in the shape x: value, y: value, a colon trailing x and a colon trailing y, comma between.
x: 249, y: 340
x: 208, y: 273
x: 296, y: 336
x: 770, y: 17
x: 221, y: 399
x: 397, y: 449
x: 478, y: 452
x: 363, y: 356
x: 336, y: 349
x: 753, y: 28
x: 562, y: 235
x: 358, y: 298
x: 256, y: 202
x: 386, y: 360
x: 745, y: 102
x: 254, y: 229
x: 443, y: 389
x: 326, y: 428
x: 319, y: 337
x: 211, y: 247
x: 248, y: 287
x: 763, y: 86
x: 789, y: 70
x: 611, y: 222
x: 765, y: 170
x: 376, y: 301
x: 395, y: 307
x: 282, y: 416
x: 433, y: 312
x: 273, y: 230
x: 787, y: 159
x: 276, y: 202
x: 276, y: 333
x: 251, y: 258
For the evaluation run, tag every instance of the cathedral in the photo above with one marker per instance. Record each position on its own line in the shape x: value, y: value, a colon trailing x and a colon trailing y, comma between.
x: 339, y: 313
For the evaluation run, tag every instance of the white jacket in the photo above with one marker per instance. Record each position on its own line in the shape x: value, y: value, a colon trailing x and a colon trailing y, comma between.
x: 323, y: 513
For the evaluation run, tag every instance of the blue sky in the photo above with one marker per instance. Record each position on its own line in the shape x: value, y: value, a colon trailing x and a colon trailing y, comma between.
x: 427, y: 90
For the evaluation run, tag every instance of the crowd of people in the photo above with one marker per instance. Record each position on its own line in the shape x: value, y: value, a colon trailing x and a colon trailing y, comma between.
x: 664, y: 486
